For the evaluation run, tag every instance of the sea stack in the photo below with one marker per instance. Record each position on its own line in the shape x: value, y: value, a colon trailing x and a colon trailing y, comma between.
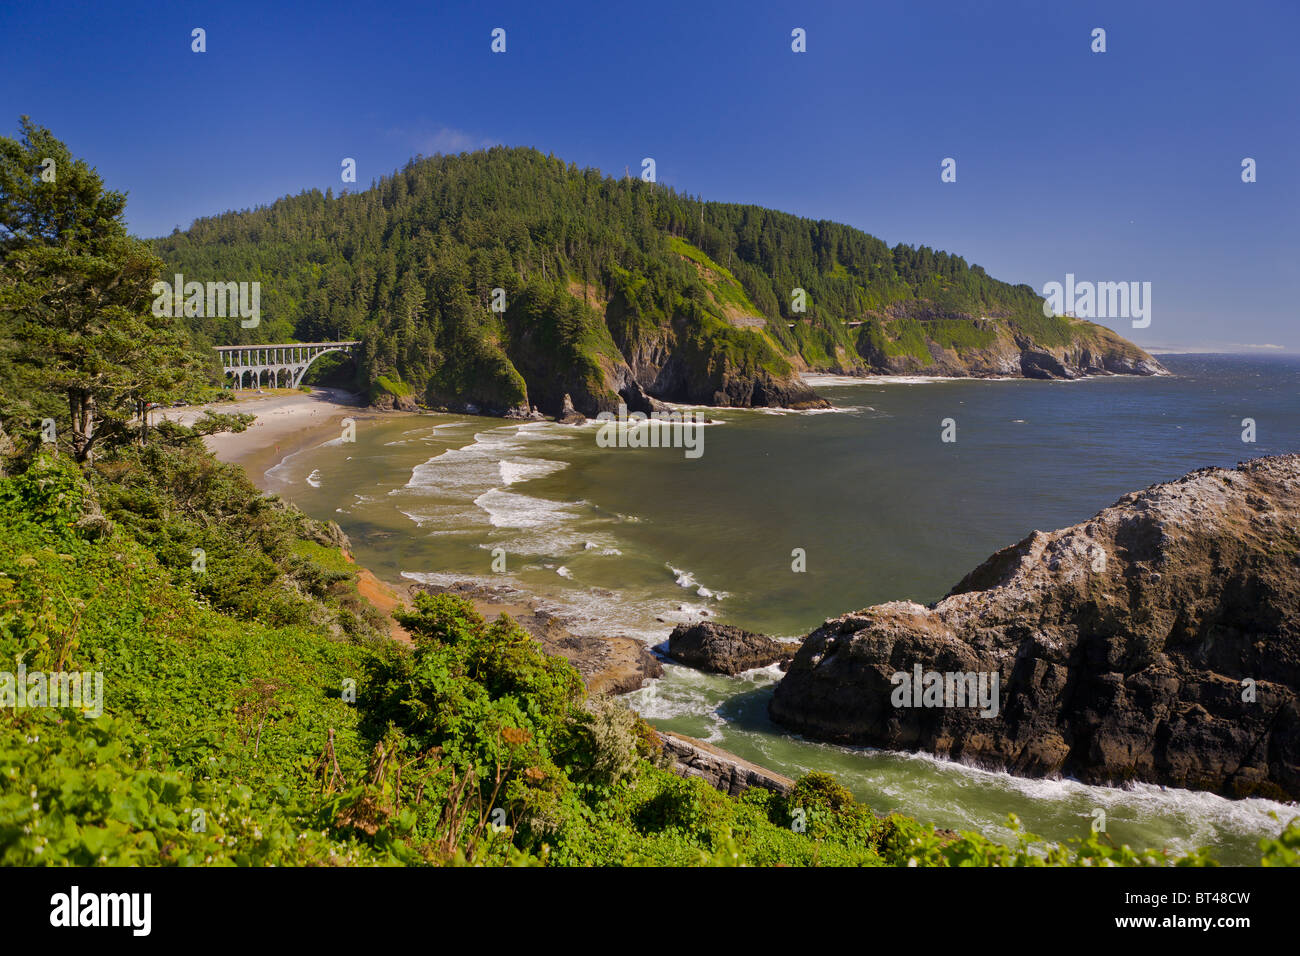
x: 1158, y: 641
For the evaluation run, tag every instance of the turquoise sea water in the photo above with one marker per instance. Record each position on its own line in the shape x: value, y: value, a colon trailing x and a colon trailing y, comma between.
x: 631, y: 541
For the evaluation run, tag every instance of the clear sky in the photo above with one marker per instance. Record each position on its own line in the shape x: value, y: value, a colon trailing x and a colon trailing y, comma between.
x: 1115, y: 166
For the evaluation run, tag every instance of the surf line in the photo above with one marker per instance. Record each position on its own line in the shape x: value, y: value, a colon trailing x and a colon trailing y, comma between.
x: 685, y: 430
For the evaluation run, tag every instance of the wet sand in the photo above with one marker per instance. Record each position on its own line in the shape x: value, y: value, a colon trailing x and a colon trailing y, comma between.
x: 287, y: 422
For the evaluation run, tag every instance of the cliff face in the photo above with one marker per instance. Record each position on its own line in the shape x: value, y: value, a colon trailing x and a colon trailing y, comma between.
x: 1159, y: 641
x: 679, y: 370
x: 986, y: 348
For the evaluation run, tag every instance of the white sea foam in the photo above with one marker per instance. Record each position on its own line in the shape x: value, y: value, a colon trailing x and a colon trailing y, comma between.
x: 283, y: 471
x: 682, y: 692
x: 685, y: 579
x: 508, y: 509
x: 519, y: 470
x: 314, y: 478
x: 835, y: 381
x: 425, y: 434
x: 280, y: 472
x: 1192, y: 818
x: 821, y: 380
x: 467, y: 486
x: 833, y: 410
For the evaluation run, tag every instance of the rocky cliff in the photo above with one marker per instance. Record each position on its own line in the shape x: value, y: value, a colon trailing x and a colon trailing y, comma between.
x: 967, y: 346
x: 1158, y: 641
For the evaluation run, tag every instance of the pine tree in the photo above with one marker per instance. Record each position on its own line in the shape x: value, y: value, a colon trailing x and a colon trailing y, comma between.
x: 75, y: 295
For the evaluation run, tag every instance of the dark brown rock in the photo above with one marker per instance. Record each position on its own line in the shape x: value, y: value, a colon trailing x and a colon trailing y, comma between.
x: 1127, y: 648
x: 388, y: 402
x: 723, y: 649
x: 568, y: 414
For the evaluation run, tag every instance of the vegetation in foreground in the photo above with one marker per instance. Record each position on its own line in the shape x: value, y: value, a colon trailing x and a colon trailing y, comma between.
x: 254, y: 733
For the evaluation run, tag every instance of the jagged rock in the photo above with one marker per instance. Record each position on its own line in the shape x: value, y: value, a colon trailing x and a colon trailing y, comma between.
x: 608, y: 665
x: 724, y: 649
x: 1158, y: 641
x: 570, y: 415
x: 524, y: 411
x: 718, y: 768
x: 388, y: 402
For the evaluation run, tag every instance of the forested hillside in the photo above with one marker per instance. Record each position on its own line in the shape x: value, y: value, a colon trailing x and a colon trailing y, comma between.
x: 613, y: 289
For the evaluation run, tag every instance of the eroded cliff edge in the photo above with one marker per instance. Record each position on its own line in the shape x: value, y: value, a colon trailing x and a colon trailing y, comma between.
x: 1158, y: 641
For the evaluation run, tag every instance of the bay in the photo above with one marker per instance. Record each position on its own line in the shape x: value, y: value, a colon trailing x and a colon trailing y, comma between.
x: 634, y: 540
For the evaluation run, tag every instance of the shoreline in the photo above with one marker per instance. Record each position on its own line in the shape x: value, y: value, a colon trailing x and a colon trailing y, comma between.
x: 287, y: 422
x: 291, y: 422
x: 305, y: 430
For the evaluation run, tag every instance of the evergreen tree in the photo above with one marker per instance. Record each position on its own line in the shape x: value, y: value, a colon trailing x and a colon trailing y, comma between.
x: 76, y: 296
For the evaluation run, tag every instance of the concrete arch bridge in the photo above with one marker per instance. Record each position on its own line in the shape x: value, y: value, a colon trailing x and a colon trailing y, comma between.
x: 275, y: 366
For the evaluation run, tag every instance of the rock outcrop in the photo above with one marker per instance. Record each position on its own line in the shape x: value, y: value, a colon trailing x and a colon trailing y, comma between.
x: 1159, y: 641
x: 388, y: 402
x: 719, y: 768
x: 724, y: 649
x: 1000, y: 351
x: 568, y: 414
x: 608, y: 665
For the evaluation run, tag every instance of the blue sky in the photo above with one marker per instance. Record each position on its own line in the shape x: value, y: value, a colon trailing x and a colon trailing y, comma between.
x: 1115, y: 166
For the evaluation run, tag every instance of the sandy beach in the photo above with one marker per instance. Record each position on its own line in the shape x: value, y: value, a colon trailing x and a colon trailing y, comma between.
x: 287, y: 422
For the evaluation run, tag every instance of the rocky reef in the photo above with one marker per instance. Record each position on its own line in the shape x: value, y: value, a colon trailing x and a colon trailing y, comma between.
x: 1158, y: 641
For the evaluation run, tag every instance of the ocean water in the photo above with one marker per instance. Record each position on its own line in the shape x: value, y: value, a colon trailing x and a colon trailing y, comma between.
x: 634, y: 540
